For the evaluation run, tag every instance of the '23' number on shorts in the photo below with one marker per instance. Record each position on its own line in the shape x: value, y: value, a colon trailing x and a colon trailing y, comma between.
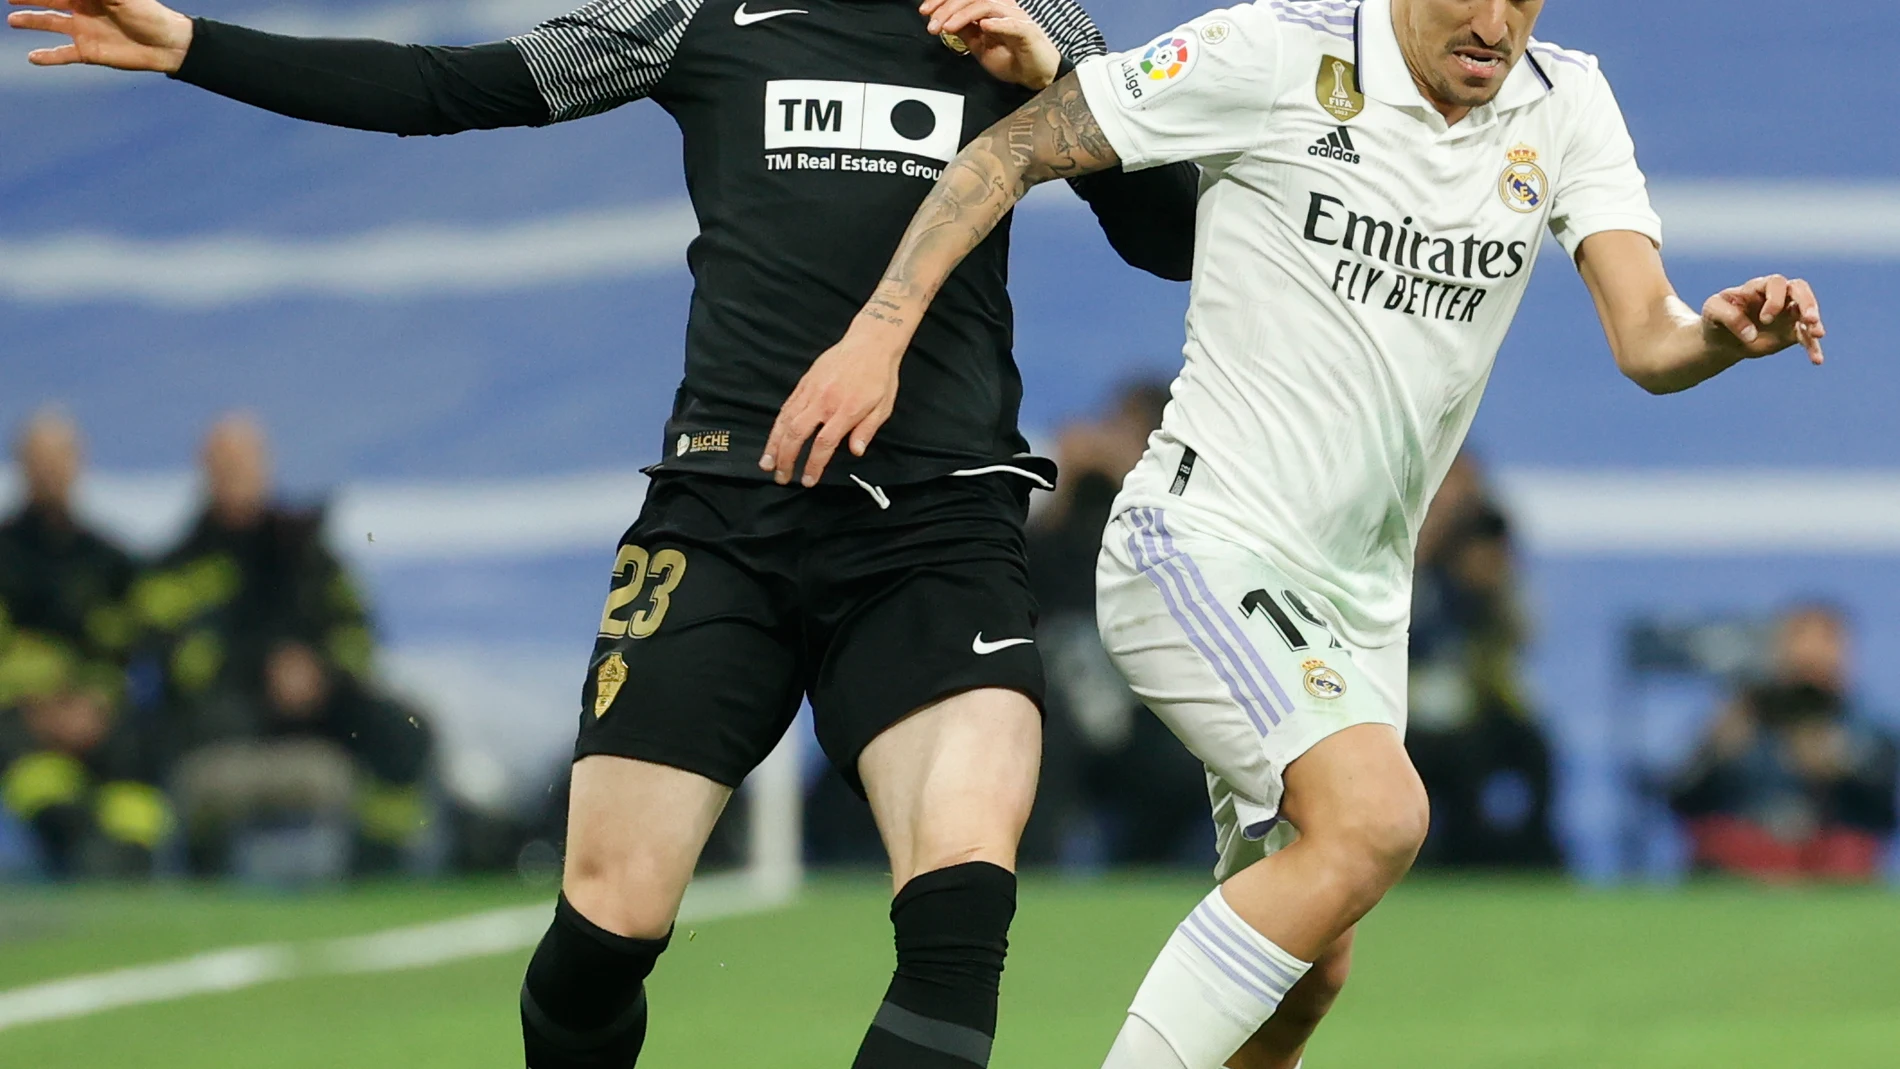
x: 632, y: 568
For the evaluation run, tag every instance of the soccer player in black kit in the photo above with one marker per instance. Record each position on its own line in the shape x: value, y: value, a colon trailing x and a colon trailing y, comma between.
x: 892, y: 591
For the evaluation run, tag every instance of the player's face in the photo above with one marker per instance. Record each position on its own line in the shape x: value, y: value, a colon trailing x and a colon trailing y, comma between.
x: 1460, y: 51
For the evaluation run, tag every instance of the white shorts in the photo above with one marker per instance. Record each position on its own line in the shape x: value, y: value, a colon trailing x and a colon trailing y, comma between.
x: 1241, y: 663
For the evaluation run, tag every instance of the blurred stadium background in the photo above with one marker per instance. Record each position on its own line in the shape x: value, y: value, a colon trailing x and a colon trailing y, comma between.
x: 462, y: 350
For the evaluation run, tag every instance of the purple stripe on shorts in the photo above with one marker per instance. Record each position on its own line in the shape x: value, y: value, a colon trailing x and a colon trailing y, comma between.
x: 1233, y: 669
x: 1213, y: 937
x: 1221, y: 964
x: 1220, y: 611
x: 1187, y: 624
x: 1207, y: 608
x: 1260, y: 699
x: 1287, y: 976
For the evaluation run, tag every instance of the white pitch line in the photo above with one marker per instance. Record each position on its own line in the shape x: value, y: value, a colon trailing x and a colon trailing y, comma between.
x: 476, y: 935
x: 200, y: 974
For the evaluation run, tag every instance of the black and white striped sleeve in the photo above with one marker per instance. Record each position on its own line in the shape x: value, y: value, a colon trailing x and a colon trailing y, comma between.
x: 604, y: 55
x: 1075, y: 34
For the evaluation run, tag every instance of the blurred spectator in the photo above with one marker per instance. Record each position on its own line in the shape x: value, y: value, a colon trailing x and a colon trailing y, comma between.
x: 322, y: 752
x: 1117, y: 788
x: 71, y: 766
x: 268, y: 721
x: 76, y: 776
x: 62, y: 586
x: 248, y: 572
x: 1471, y: 733
x: 1791, y: 781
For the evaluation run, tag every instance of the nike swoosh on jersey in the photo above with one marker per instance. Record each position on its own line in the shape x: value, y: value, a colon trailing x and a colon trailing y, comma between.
x: 984, y: 649
x: 742, y: 17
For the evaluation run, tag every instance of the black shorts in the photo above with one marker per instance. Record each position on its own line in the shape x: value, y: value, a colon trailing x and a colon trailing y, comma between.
x: 732, y: 599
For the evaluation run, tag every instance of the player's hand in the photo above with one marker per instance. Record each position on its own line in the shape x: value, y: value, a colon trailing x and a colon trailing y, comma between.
x: 846, y: 394
x: 1765, y: 316
x: 132, y: 35
x: 1001, y: 35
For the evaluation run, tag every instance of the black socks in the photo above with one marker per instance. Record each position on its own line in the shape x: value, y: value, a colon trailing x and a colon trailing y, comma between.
x: 583, y: 1004
x: 952, y: 929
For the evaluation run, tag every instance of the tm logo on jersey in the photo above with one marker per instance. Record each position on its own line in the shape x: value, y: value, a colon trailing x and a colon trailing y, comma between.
x: 805, y: 113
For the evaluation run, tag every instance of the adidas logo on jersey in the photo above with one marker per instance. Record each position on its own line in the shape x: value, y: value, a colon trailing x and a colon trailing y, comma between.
x: 1335, y: 146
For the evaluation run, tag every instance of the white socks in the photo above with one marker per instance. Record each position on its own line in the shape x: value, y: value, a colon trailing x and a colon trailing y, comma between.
x: 1212, y: 987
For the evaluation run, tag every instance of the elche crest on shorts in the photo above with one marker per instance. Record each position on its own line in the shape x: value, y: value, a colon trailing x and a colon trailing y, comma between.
x: 608, y: 679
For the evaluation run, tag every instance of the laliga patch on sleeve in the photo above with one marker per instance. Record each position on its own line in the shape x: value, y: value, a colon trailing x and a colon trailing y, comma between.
x: 1141, y: 75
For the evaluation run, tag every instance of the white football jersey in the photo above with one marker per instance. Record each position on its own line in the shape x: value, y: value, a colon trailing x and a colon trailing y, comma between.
x: 1357, y: 263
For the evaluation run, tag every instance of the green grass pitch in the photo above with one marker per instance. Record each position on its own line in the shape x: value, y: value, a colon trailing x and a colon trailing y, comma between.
x: 1451, y: 974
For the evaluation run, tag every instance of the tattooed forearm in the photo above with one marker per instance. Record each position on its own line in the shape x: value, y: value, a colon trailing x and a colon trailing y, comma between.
x: 1053, y: 136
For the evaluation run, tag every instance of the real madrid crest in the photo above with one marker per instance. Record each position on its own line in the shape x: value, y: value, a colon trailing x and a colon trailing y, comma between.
x: 607, y: 682
x: 1323, y: 682
x: 1523, y: 184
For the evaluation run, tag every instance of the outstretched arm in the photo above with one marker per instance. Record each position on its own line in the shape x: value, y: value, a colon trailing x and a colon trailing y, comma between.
x: 366, y: 85
x: 361, y: 84
x: 599, y: 57
x: 852, y: 387
x: 1662, y: 344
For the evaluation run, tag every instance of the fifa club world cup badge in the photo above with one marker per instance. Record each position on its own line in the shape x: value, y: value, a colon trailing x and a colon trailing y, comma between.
x: 607, y: 683
x: 1523, y: 184
x: 1323, y: 682
x: 1338, y: 88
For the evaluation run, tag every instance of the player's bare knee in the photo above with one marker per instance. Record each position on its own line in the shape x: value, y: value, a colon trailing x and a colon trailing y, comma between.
x: 1391, y: 828
x: 1373, y: 842
x: 609, y: 893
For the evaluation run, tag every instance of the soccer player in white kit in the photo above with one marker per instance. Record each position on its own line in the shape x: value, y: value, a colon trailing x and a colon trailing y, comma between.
x: 1379, y: 178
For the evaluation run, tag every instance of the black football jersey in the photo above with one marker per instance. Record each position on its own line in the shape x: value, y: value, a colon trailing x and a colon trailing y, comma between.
x: 812, y: 131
